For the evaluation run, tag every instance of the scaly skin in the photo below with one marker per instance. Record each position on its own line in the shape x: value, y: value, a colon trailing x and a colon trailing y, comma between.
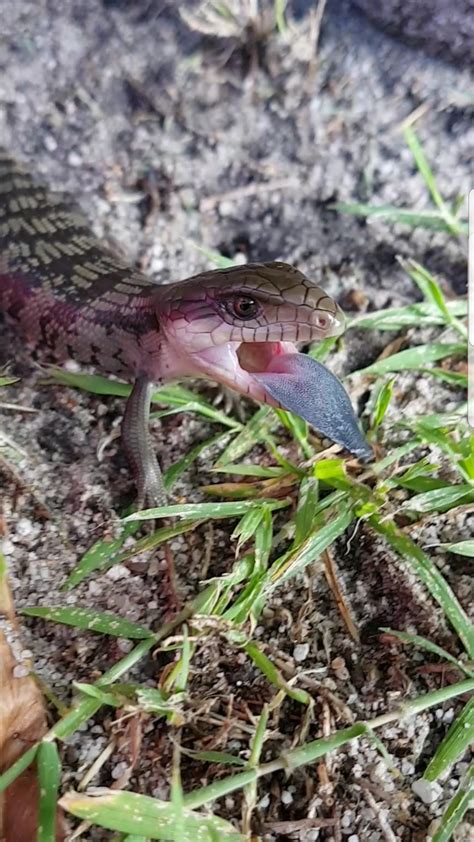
x: 72, y: 297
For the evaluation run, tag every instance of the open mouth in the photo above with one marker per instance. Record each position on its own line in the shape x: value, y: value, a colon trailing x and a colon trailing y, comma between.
x: 276, y: 373
x: 258, y: 356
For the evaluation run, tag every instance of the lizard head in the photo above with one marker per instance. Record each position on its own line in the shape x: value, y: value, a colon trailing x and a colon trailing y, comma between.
x: 241, y: 327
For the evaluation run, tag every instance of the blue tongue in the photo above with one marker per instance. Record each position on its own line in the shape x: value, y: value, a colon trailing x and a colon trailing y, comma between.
x: 305, y: 387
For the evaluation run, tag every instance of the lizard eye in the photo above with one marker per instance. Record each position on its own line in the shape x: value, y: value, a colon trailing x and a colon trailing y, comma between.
x: 243, y: 307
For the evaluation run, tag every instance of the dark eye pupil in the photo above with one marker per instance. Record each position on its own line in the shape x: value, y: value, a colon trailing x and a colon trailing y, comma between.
x: 245, y: 308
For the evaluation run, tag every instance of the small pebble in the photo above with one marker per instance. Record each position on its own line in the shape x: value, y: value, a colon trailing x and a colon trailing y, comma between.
x: 425, y: 790
x: 301, y: 652
x: 119, y: 770
x: 347, y: 819
x: 286, y: 797
x: 24, y: 527
x: 407, y: 767
x: 74, y: 159
x: 50, y: 143
x: 226, y: 208
x: 118, y: 571
x: 7, y: 547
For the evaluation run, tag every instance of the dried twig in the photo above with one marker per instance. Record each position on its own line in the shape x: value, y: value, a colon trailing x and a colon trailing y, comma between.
x: 209, y: 202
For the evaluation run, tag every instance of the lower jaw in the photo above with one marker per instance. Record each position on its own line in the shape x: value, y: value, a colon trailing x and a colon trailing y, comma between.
x: 251, y: 358
x: 276, y: 374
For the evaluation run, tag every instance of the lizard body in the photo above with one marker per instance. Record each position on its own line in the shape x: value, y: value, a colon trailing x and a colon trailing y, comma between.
x: 72, y: 297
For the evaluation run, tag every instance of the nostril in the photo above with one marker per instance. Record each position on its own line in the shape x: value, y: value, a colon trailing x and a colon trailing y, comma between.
x: 322, y: 321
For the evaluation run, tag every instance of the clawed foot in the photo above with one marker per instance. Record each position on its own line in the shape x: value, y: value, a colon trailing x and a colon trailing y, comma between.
x: 151, y: 491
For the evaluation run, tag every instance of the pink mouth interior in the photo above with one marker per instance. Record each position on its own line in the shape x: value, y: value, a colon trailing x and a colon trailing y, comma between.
x: 263, y: 356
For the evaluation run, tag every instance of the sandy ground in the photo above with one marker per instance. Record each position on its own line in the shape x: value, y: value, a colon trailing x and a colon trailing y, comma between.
x: 244, y: 154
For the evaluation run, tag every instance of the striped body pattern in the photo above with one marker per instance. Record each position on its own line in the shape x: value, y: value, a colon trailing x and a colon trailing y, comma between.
x: 65, y: 290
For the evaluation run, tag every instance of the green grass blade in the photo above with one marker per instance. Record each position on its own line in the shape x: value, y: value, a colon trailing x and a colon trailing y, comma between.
x: 274, y: 675
x: 279, y: 10
x: 112, y: 698
x: 152, y: 700
x: 84, y: 709
x: 318, y: 748
x: 263, y: 539
x: 382, y: 403
x: 219, y: 789
x: 454, y: 378
x: 433, y: 293
x: 180, y: 673
x: 456, y: 742
x: 258, y: 739
x: 175, y: 396
x: 430, y: 576
x: 214, y: 257
x: 207, y: 510
x: 392, y: 458
x: 307, y: 502
x: 256, y: 747
x: 298, y: 429
x: 255, y: 431
x: 319, y: 539
x: 247, y: 526
x: 17, y: 768
x: 244, y: 470
x: 49, y: 773
x: 424, y: 643
x: 290, y: 761
x: 99, y: 555
x: 423, y: 469
x: 104, y: 555
x: 200, y: 408
x: 426, y: 172
x: 413, y: 315
x: 465, y: 548
x: 456, y: 809
x: 320, y: 350
x: 93, y: 383
x: 440, y: 499
x: 430, y: 219
x: 433, y: 431
x: 414, y: 358
x: 175, y: 471
x: 125, y: 811
x: 176, y: 793
x: 96, y: 621
x: 215, y: 757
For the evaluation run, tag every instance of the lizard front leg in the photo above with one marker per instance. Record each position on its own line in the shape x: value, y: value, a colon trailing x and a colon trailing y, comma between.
x: 139, y: 448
